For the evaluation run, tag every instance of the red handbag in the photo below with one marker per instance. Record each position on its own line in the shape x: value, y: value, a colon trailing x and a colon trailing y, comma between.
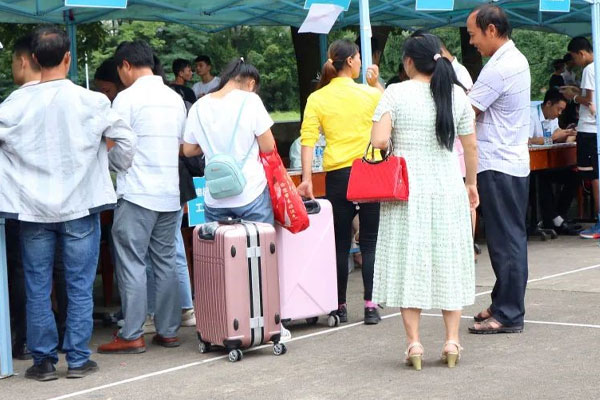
x: 288, y: 208
x: 375, y: 181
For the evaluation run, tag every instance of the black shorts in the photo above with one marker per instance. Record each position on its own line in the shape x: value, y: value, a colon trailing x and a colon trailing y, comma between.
x: 587, y: 155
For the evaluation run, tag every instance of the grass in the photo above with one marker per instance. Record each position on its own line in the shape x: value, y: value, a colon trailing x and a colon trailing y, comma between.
x: 280, y: 116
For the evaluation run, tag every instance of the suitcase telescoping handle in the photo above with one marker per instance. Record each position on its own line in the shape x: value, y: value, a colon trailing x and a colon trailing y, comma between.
x: 312, y: 206
x: 207, y: 231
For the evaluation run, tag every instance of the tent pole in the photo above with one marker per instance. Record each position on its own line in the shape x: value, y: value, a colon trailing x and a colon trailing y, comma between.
x: 6, y: 365
x: 72, y: 32
x: 365, y: 37
x: 323, y: 48
x: 596, y: 46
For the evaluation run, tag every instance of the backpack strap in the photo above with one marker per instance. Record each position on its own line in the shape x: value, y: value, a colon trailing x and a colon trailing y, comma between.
x: 233, y: 134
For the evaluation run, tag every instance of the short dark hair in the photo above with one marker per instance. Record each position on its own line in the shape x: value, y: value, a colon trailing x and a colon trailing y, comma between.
x: 138, y: 53
x: 49, y: 45
x: 107, y: 71
x: 203, y: 58
x: 568, y: 57
x: 24, y: 47
x: 554, y: 96
x: 578, y: 44
x: 179, y: 64
x: 489, y: 14
x: 556, y: 64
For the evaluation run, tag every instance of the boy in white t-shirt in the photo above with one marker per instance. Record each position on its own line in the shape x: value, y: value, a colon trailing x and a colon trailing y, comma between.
x: 587, y: 150
x: 208, y: 82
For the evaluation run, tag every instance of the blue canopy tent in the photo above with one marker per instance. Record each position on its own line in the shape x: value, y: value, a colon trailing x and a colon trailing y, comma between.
x: 215, y: 15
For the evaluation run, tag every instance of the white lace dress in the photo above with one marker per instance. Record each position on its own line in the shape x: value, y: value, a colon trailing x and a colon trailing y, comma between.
x: 424, y: 257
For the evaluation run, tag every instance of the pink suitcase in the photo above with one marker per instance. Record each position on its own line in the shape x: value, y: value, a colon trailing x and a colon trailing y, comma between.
x: 307, y: 267
x: 237, y: 287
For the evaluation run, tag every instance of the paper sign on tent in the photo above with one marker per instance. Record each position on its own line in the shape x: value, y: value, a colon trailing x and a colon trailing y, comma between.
x: 320, y: 18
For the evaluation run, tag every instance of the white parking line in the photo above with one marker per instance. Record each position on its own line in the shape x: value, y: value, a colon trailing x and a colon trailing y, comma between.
x: 319, y: 333
x: 543, y: 278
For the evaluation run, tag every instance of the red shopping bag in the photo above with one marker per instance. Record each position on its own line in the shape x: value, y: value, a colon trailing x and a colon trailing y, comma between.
x: 288, y: 207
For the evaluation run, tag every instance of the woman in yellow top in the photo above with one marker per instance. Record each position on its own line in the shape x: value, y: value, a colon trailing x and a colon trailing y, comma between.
x: 344, y: 111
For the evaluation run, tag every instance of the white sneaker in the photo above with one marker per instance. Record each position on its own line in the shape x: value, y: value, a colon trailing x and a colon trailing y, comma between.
x: 149, y: 325
x: 188, y: 318
x: 286, y: 335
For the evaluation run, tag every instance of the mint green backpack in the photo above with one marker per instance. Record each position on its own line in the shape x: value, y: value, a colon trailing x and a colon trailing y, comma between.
x: 223, y: 175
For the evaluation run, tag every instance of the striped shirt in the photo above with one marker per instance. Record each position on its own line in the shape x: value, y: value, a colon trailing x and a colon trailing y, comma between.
x: 157, y: 115
x: 502, y: 93
x: 53, y: 157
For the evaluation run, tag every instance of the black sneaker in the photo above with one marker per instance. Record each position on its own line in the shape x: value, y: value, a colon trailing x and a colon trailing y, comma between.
x: 21, y: 352
x: 86, y: 369
x: 342, y: 312
x: 372, y: 316
x: 42, y: 372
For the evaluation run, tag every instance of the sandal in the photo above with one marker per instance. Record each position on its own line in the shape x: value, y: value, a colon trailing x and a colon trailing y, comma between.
x: 451, y: 357
x: 414, y: 359
x: 481, y: 317
x: 491, y: 326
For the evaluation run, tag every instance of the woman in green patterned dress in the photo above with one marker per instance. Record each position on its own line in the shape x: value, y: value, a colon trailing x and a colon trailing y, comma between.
x: 424, y: 255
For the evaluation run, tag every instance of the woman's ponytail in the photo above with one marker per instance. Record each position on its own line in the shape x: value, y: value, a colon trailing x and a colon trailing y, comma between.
x: 442, y: 89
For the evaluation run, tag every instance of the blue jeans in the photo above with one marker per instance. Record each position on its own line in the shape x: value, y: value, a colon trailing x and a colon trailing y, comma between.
x: 185, y: 288
x: 80, y: 243
x: 259, y: 210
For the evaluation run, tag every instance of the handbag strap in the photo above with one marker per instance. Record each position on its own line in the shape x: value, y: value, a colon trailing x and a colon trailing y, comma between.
x: 389, y: 152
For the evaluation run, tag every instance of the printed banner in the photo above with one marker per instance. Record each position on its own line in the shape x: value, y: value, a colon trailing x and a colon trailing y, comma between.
x: 555, y: 5
x: 434, y: 5
x: 97, y: 3
x: 196, y: 206
x: 345, y: 4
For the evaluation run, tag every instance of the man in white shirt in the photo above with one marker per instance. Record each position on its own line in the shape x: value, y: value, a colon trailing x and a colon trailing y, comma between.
x: 544, y: 122
x: 587, y: 149
x: 208, y: 82
x: 501, y: 100
x: 54, y: 179
x: 146, y: 218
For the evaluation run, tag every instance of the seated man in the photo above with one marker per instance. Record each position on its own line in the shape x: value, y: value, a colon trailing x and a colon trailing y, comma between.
x: 544, y: 120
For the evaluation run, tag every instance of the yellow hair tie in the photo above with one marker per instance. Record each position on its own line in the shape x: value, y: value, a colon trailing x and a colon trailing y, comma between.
x: 330, y: 60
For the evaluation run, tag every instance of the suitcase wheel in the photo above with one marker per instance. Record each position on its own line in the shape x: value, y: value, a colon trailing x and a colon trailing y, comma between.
x: 236, y: 355
x: 279, y: 349
x: 204, y: 347
x: 312, y: 321
x: 333, y: 320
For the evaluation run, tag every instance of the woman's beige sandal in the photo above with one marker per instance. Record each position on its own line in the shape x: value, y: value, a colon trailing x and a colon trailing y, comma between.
x: 451, y: 357
x: 414, y: 360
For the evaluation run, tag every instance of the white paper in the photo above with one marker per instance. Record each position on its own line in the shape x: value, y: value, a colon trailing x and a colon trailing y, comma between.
x: 320, y: 18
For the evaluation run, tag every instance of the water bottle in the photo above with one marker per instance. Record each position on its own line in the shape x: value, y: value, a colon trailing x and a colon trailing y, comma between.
x: 547, y: 138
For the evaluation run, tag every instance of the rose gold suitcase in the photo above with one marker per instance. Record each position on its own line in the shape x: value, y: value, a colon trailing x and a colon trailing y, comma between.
x: 236, y: 287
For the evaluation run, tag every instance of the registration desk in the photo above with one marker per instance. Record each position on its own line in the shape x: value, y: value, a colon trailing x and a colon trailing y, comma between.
x: 560, y: 155
x: 544, y: 158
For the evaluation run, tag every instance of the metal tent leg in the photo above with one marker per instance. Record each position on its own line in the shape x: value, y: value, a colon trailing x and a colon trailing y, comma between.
x: 6, y: 365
